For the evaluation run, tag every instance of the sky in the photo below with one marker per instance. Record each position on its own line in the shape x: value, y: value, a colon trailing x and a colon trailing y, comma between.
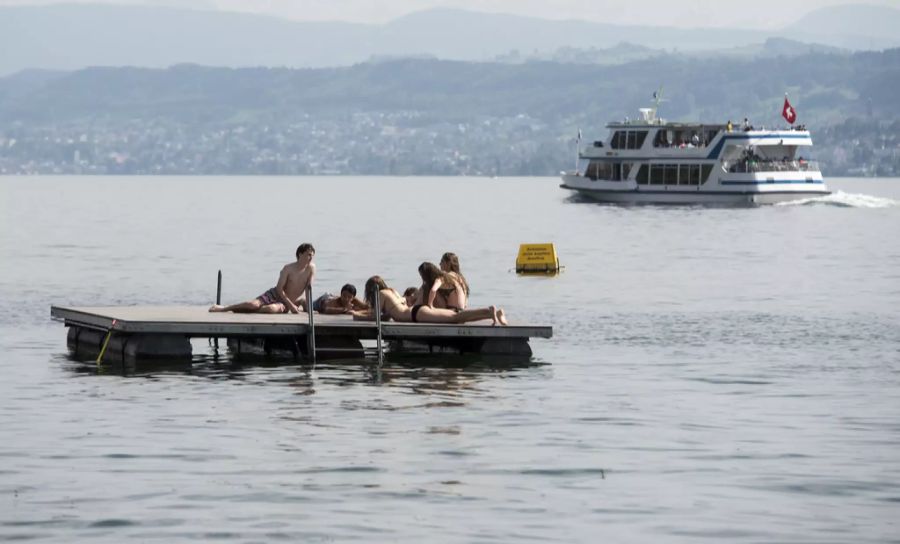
x: 756, y: 14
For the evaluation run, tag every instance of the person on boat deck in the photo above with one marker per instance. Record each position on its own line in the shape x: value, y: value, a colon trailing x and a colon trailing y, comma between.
x: 450, y: 264
x: 395, y: 307
x: 440, y: 289
x: 728, y: 126
x: 343, y: 304
x: 288, y: 295
x: 746, y: 124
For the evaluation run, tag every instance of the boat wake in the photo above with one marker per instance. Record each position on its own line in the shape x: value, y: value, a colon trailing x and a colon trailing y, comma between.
x: 845, y: 200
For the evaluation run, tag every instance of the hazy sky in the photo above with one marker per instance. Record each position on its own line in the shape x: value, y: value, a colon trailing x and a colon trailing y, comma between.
x: 763, y: 14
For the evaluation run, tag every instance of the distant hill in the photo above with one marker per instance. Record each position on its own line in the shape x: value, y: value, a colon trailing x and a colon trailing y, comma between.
x: 824, y: 86
x: 620, y: 53
x: 74, y: 36
x: 849, y: 26
x: 427, y: 116
x: 629, y: 52
x: 775, y: 47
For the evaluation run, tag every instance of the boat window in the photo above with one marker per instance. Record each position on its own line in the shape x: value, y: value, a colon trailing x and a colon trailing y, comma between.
x: 656, y: 174
x: 661, y: 140
x: 605, y: 171
x: 628, y: 139
x: 707, y: 168
x: 642, y: 175
x: 626, y: 170
x: 671, y: 174
x: 684, y: 174
x: 695, y: 174
x: 693, y: 137
x: 688, y: 174
x: 636, y: 139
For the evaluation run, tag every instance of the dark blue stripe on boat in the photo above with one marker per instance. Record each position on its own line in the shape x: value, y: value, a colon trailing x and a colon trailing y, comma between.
x: 768, y: 181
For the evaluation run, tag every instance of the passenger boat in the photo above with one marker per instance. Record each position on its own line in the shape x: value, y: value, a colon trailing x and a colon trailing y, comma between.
x: 650, y: 160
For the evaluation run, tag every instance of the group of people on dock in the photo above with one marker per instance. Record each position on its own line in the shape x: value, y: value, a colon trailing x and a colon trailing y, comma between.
x: 442, y: 297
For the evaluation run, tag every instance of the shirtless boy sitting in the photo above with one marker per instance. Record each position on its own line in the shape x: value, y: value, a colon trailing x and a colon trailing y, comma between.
x: 344, y: 304
x: 288, y: 295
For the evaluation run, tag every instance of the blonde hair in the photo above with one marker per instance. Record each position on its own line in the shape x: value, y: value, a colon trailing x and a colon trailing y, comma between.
x: 453, y: 264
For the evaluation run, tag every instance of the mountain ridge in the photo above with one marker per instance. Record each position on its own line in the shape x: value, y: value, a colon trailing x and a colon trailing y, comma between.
x: 72, y: 36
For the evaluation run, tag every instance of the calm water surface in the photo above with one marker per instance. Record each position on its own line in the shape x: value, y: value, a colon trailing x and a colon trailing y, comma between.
x: 715, y: 374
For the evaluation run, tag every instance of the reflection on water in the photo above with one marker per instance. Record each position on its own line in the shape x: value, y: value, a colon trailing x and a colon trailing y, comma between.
x: 427, y: 375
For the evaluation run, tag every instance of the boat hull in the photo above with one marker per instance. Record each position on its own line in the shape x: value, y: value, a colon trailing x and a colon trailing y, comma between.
x: 738, y: 198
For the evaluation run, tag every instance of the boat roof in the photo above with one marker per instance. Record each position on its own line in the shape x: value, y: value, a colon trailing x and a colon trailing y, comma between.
x: 640, y: 124
x: 664, y: 124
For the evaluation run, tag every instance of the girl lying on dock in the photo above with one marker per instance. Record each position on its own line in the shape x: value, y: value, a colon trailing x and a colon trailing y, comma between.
x: 393, y: 305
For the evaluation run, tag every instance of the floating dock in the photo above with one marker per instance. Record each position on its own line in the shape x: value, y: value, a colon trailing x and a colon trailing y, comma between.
x: 154, y: 333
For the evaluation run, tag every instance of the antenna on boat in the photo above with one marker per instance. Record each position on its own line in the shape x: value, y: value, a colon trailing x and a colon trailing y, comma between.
x: 577, y: 150
x: 654, y: 112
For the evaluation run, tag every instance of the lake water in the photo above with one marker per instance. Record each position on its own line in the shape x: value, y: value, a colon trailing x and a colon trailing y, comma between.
x: 715, y: 374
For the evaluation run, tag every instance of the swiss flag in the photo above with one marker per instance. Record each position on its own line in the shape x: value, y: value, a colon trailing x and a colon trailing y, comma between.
x: 788, y: 111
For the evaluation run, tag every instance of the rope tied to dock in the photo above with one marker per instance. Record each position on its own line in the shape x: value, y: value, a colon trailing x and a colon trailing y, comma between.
x: 106, y: 342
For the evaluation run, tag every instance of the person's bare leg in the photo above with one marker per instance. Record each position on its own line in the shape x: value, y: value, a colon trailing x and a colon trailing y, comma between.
x: 436, y: 315
x: 274, y: 308
x: 476, y: 315
x: 241, y: 307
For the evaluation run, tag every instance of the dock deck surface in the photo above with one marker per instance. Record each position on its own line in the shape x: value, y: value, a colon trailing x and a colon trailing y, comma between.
x: 197, y: 321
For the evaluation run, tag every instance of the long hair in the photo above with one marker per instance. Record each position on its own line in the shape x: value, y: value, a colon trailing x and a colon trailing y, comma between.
x: 373, y: 286
x: 453, y: 264
x: 430, y: 273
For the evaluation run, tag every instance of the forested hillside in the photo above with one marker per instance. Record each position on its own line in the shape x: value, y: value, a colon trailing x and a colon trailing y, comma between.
x: 421, y: 116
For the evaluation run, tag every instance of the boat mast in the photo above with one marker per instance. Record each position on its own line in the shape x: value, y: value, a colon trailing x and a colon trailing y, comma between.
x: 657, y: 98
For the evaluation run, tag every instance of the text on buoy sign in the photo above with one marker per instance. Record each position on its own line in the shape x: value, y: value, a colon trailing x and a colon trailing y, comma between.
x: 537, y: 258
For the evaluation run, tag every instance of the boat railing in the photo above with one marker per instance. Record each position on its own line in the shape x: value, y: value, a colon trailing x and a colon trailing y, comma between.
x: 770, y: 165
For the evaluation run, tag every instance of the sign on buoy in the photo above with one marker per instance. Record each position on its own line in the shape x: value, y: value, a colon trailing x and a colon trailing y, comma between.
x: 537, y: 258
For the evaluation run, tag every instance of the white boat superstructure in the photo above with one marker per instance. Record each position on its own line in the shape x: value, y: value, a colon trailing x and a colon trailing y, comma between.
x: 649, y: 160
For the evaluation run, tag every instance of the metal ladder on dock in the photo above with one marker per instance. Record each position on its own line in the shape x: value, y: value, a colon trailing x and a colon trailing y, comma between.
x: 311, y: 336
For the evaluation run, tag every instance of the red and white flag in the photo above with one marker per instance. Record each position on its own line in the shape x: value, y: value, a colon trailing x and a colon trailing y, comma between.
x: 788, y: 111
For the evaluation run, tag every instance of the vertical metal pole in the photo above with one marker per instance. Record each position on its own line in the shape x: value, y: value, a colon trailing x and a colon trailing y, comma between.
x: 378, y: 328
x: 218, y: 301
x: 311, y: 334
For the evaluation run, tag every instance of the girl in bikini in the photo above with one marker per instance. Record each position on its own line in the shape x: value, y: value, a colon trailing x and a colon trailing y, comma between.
x: 450, y: 264
x: 440, y: 289
x: 394, y: 306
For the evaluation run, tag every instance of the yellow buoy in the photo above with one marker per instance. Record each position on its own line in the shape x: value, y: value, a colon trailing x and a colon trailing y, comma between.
x: 537, y: 258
